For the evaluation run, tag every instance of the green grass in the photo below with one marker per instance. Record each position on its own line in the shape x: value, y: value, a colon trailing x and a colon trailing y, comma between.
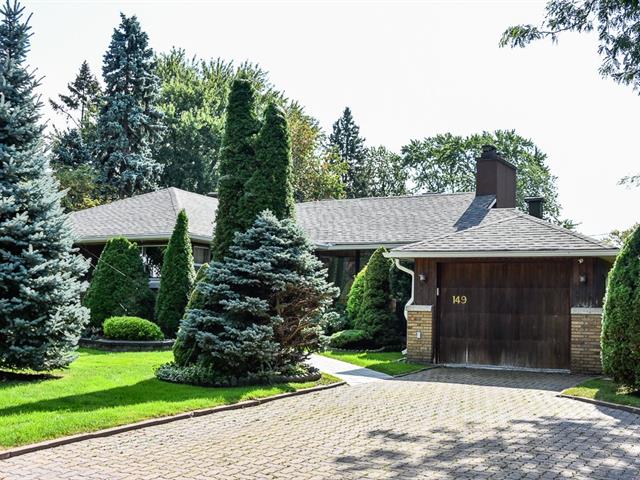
x: 602, y: 389
x: 102, y: 390
x: 385, y: 362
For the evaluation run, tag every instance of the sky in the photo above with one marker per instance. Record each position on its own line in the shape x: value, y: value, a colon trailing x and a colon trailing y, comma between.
x: 407, y: 70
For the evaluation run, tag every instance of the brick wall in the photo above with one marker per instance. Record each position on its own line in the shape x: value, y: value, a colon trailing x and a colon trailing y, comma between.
x: 585, y: 340
x: 419, y: 333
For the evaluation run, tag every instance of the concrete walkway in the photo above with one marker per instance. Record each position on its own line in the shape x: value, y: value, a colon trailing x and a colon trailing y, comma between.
x: 348, y: 372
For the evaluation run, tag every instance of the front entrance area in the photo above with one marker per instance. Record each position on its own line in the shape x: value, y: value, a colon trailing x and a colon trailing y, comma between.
x: 512, y: 314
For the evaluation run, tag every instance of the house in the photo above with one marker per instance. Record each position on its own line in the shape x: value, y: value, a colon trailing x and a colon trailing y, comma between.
x: 492, y: 285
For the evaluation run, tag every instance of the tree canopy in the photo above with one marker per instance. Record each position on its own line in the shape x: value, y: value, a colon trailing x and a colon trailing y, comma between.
x: 349, y: 145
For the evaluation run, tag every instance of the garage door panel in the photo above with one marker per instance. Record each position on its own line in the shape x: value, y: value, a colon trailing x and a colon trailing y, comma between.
x: 511, y: 314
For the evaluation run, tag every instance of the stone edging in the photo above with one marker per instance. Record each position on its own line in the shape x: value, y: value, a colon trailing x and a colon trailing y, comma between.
x: 602, y: 403
x: 126, y: 345
x: 14, y: 452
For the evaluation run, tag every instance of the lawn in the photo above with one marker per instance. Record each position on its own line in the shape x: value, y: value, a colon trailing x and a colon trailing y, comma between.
x: 102, y: 390
x: 602, y: 389
x: 385, y: 362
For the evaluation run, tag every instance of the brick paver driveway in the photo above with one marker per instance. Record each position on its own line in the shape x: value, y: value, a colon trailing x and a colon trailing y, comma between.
x: 444, y: 423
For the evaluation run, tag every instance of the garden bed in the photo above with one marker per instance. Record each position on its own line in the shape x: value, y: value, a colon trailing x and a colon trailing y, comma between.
x: 391, y: 363
x: 102, y: 390
x: 126, y: 345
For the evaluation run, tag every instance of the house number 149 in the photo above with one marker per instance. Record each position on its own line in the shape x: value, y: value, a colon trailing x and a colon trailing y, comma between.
x: 457, y: 299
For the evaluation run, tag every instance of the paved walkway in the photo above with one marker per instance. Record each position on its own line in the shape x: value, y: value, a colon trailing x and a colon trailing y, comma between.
x: 348, y: 372
x: 441, y: 423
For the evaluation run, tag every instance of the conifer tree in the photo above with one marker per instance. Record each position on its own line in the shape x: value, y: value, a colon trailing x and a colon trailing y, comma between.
x: 80, y: 105
x: 40, y: 313
x: 237, y: 162
x: 269, y: 187
x: 176, y: 279
x: 346, y: 140
x: 258, y: 311
x: 129, y: 122
x: 119, y: 285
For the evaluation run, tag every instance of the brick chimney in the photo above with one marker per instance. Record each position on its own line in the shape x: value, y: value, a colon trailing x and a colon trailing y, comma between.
x: 496, y: 176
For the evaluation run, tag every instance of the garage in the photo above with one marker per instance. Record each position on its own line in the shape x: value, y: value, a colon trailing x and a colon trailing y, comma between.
x: 511, y: 314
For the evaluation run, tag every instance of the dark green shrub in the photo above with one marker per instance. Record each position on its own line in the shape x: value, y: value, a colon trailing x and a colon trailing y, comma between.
x: 375, y: 316
x: 176, y: 278
x: 120, y: 285
x: 131, y: 328
x: 621, y: 318
x: 350, y: 339
x: 193, y: 296
x: 354, y: 298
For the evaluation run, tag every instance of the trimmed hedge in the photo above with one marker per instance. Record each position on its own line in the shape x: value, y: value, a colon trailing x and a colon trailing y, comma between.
x: 621, y: 317
x: 350, y: 339
x: 131, y: 328
x: 355, y: 296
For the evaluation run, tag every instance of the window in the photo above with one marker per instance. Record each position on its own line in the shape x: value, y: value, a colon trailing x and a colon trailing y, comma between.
x: 201, y: 255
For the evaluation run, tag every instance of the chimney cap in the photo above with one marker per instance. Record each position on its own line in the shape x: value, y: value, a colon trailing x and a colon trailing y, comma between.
x: 534, y: 199
x: 489, y: 152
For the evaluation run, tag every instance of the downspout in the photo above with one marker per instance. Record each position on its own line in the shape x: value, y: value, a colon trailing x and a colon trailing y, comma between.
x: 410, y: 302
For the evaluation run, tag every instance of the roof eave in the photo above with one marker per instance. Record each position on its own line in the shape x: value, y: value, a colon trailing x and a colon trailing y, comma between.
x: 603, y: 253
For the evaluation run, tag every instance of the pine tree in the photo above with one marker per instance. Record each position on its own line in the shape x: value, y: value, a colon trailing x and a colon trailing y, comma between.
x: 258, y: 311
x: 176, y: 279
x: 40, y: 313
x: 69, y: 150
x: 237, y: 162
x: 120, y: 285
x: 81, y: 104
x: 269, y: 187
x: 621, y: 316
x: 129, y: 121
x: 346, y: 139
x: 374, y: 315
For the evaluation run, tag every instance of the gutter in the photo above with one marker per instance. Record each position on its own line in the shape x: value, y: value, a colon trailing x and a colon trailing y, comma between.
x: 606, y: 253
x: 412, y: 273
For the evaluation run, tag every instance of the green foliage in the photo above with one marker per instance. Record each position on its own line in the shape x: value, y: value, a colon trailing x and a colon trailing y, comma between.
x: 40, y: 313
x: 374, y: 316
x: 176, y: 278
x: 384, y: 173
x: 82, y: 187
x: 131, y: 328
x: 129, y: 122
x: 120, y: 285
x: 269, y: 187
x: 618, y: 237
x: 69, y: 150
x: 447, y: 163
x: 621, y: 317
x: 350, y: 340
x: 237, y: 161
x: 260, y: 309
x: 193, y: 295
x: 355, y: 296
x: 346, y: 140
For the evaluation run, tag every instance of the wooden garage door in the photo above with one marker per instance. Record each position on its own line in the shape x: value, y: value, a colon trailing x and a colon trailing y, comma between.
x: 507, y: 314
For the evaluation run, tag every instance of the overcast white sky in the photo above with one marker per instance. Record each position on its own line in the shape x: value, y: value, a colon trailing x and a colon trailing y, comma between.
x: 406, y: 69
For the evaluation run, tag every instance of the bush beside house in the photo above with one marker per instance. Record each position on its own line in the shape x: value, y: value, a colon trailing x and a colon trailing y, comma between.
x: 621, y: 316
x: 131, y: 328
x: 178, y: 275
x: 120, y: 285
x: 355, y: 296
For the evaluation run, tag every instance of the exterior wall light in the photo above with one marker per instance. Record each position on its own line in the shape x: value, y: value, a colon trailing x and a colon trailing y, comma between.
x: 583, y: 278
x: 423, y: 277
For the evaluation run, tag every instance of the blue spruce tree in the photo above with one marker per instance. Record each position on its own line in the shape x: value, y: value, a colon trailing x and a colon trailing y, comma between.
x: 40, y: 313
x: 129, y: 122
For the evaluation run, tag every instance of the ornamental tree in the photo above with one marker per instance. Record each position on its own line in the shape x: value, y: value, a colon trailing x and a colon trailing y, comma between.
x: 237, y: 161
x: 269, y: 187
x: 119, y: 286
x: 258, y: 311
x: 129, y: 122
x: 621, y: 316
x: 40, y: 313
x: 176, y: 278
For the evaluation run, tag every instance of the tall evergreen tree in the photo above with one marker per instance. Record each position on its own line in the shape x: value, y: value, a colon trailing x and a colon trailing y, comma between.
x: 176, y: 278
x: 237, y: 162
x: 345, y: 138
x: 80, y: 105
x: 70, y: 150
x: 129, y: 122
x: 269, y: 187
x: 40, y: 313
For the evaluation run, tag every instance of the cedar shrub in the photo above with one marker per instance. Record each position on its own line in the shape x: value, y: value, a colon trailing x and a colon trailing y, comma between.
x: 355, y: 296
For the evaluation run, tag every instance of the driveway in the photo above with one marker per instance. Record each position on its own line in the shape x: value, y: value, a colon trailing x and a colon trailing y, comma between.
x: 442, y: 423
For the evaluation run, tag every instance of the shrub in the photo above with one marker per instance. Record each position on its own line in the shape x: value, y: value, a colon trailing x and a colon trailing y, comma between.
x: 374, y: 315
x: 258, y: 311
x: 193, y: 295
x: 621, y: 318
x: 354, y: 298
x: 350, y: 339
x: 176, y: 279
x: 131, y: 328
x: 120, y: 285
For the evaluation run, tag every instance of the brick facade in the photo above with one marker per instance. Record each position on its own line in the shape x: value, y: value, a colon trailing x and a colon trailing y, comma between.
x: 585, y: 340
x: 419, y: 333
